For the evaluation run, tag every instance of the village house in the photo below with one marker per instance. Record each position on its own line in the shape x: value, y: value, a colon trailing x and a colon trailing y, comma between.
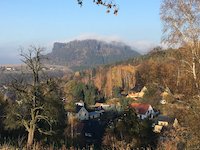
x: 10, y: 69
x: 95, y: 114
x: 83, y: 114
x: 163, y: 121
x: 143, y: 110
x: 135, y: 95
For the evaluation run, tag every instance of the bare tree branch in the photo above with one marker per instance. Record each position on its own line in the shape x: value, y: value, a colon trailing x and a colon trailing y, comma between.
x: 110, y: 5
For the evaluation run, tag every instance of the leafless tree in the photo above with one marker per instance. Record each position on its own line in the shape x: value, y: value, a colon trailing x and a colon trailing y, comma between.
x: 35, y: 102
x: 181, y: 27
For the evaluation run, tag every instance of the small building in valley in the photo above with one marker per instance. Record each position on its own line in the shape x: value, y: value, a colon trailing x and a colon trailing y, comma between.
x: 135, y: 95
x: 143, y: 110
x: 163, y: 121
x: 82, y: 113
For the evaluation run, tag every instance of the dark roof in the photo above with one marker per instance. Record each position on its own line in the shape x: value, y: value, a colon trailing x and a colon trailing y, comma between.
x: 165, y: 118
x: 78, y: 108
x: 90, y: 110
x: 137, y: 88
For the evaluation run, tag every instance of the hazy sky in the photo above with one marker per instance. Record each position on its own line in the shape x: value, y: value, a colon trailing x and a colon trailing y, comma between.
x: 42, y: 22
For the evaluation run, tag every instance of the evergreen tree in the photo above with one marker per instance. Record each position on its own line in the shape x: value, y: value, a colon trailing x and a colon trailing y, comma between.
x: 91, y: 94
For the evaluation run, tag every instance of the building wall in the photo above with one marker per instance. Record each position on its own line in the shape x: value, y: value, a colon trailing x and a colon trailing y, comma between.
x: 94, y: 115
x: 157, y: 128
x: 83, y: 114
x: 163, y: 123
x: 175, y: 124
x: 149, y: 113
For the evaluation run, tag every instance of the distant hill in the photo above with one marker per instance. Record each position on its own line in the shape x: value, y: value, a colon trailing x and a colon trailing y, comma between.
x: 11, y: 72
x: 89, y: 53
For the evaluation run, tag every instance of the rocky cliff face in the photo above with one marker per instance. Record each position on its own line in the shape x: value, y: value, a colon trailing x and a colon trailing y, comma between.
x: 108, y: 78
x: 89, y: 53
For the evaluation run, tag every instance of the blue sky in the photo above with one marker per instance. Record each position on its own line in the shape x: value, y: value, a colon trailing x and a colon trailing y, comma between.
x: 42, y: 22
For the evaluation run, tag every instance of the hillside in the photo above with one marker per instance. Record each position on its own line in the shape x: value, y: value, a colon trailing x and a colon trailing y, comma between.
x: 157, y: 68
x: 89, y: 53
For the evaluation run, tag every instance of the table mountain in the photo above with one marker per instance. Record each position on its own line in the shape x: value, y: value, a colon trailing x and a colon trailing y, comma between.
x: 80, y: 54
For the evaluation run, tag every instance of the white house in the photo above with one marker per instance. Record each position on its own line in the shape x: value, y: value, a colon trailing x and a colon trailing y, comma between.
x: 143, y: 110
x: 8, y: 68
x: 83, y: 114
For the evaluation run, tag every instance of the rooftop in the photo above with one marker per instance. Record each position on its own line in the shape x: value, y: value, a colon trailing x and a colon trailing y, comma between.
x: 140, y: 108
x: 165, y: 119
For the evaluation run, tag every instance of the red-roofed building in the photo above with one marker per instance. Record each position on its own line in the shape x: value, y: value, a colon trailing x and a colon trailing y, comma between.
x: 143, y: 110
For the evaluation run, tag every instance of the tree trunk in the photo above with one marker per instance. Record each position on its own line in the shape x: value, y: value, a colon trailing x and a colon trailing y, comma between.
x: 194, y: 69
x: 178, y: 78
x: 30, y: 137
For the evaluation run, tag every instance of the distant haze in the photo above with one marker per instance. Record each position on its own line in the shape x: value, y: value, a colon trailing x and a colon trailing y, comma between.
x: 142, y: 46
x: 11, y: 54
